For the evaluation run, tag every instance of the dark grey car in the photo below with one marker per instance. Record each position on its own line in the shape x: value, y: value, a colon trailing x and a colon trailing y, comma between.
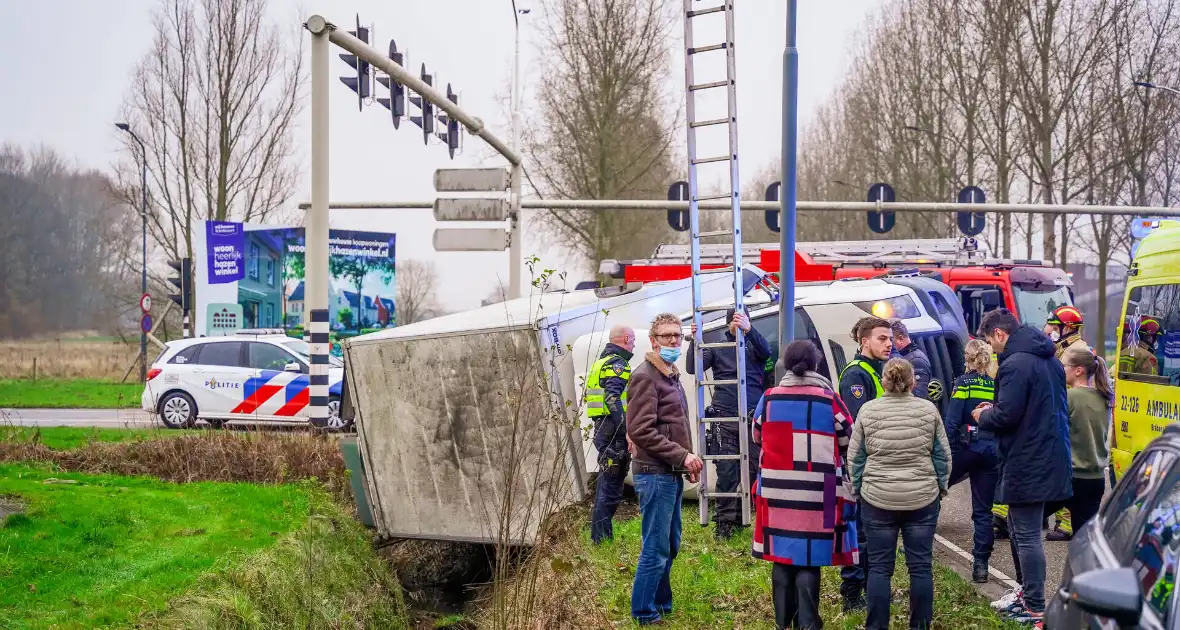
x: 1122, y: 565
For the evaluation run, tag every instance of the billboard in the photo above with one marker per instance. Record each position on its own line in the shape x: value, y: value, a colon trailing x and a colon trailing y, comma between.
x: 251, y: 275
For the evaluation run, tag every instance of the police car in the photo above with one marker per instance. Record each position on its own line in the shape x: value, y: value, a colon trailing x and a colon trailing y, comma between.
x: 255, y: 375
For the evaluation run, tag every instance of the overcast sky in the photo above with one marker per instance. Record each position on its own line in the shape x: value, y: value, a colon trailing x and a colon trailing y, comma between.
x: 66, y: 94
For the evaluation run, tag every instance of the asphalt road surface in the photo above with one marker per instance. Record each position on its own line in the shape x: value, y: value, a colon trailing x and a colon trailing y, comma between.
x: 954, y: 531
x: 102, y: 418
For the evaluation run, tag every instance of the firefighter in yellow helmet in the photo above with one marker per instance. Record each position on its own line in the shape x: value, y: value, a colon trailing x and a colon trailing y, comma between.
x: 1064, y: 327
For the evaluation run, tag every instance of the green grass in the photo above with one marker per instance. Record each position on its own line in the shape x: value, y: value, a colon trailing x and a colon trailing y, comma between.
x: 103, y: 550
x: 68, y: 394
x: 68, y: 438
x: 718, y: 585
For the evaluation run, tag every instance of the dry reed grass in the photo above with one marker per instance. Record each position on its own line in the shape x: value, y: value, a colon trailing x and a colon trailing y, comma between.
x: 252, y: 457
x: 62, y: 358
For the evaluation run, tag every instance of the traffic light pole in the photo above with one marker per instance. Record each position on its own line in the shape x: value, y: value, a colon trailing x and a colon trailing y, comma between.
x: 788, y: 201
x: 323, y: 31
x: 316, y: 264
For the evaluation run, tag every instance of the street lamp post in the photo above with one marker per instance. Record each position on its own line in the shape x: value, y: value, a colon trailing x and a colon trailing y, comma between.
x: 516, y: 237
x: 786, y: 313
x: 143, y: 234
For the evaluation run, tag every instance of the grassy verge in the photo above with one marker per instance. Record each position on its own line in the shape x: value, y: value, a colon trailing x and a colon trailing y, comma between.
x: 68, y: 394
x: 67, y: 438
x: 715, y: 585
x: 102, y: 550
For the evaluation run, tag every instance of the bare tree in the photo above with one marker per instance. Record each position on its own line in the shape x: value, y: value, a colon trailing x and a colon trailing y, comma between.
x: 215, y: 101
x: 604, y: 129
x: 417, y: 291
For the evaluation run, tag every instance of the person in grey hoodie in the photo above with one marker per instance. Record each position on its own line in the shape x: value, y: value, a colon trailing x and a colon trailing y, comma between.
x: 900, y: 462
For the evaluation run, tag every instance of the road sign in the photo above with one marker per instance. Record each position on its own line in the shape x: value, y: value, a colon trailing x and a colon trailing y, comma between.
x: 881, y: 222
x: 772, y: 194
x: 145, y: 324
x: 471, y: 240
x: 678, y: 219
x: 471, y: 179
x: 470, y: 209
x: 972, y: 223
x: 145, y: 302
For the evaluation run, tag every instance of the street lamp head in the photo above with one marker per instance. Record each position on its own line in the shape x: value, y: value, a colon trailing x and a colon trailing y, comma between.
x: 123, y: 126
x: 1146, y: 84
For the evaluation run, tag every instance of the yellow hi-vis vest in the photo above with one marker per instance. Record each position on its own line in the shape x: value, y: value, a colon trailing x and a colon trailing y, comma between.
x: 595, y: 394
x: 880, y: 391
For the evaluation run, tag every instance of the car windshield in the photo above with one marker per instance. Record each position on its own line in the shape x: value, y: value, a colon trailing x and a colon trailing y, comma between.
x: 1036, y: 304
x: 303, y: 349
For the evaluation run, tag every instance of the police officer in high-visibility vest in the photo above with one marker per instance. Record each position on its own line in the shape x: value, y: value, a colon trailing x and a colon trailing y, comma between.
x: 860, y: 382
x: 723, y: 438
x: 606, y: 404
x: 975, y: 454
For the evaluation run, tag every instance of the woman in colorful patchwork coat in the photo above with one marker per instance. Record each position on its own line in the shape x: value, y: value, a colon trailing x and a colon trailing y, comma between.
x: 803, y: 517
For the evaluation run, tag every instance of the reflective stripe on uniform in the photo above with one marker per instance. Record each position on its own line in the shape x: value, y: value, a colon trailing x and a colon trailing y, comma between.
x: 880, y: 391
x: 595, y: 394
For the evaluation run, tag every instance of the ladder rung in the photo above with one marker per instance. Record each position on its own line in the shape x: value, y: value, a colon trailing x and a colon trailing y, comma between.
x: 714, y: 309
x: 724, y: 458
x: 723, y: 495
x: 712, y: 197
x: 706, y: 123
x: 724, y: 381
x: 722, y: 7
x: 701, y: 49
x: 726, y: 419
x: 720, y: 344
x: 706, y: 86
x: 720, y: 158
x: 715, y: 233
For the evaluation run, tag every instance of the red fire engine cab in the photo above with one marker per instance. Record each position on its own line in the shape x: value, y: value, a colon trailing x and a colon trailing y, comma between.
x: 1029, y: 288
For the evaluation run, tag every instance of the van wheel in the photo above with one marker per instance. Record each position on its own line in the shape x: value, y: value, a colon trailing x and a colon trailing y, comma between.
x: 334, y: 422
x: 178, y: 411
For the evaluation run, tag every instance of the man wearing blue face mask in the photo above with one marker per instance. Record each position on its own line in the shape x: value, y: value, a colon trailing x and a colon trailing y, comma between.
x: 661, y: 440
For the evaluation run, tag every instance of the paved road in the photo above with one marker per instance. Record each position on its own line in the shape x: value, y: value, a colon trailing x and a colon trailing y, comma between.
x: 104, y: 418
x: 954, y: 528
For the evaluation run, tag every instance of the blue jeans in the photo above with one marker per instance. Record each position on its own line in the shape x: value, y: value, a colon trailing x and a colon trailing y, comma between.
x: 984, y: 472
x: 1028, y: 548
x: 917, y: 534
x: 659, y: 509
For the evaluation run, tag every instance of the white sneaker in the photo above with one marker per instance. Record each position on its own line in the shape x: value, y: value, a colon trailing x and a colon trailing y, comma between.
x: 1009, y: 598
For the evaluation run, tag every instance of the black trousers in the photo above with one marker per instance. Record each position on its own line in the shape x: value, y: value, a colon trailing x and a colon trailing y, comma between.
x: 796, y: 597
x: 729, y: 472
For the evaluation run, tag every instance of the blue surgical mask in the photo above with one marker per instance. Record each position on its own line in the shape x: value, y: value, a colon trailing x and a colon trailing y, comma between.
x: 670, y: 354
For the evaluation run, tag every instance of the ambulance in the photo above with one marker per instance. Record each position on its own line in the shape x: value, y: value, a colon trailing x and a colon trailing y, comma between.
x: 1147, y: 372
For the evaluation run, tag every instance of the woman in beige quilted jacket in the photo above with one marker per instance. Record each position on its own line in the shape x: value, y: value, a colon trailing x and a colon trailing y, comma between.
x: 900, y: 463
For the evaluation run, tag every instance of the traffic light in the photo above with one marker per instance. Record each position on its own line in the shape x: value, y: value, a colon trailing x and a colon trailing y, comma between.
x: 881, y: 222
x: 183, y: 281
x: 360, y: 82
x: 451, y: 135
x: 396, y: 103
x: 678, y: 219
x: 426, y: 120
x: 772, y: 194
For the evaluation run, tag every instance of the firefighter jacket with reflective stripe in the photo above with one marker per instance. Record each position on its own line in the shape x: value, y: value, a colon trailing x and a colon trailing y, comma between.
x: 607, y: 381
x: 860, y: 382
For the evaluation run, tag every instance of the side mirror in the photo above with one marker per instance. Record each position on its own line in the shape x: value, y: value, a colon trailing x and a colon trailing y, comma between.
x: 1111, y: 593
x: 293, y: 367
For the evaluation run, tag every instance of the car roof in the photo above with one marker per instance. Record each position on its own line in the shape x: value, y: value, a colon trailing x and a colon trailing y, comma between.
x: 180, y: 344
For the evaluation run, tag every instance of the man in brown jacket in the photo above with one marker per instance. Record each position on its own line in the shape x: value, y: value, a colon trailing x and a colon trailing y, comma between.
x: 661, y: 439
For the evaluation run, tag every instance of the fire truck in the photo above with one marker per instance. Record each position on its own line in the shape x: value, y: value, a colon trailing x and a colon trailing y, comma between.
x: 1029, y: 288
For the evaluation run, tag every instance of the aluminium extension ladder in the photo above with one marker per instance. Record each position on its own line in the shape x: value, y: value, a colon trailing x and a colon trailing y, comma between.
x: 693, y: 87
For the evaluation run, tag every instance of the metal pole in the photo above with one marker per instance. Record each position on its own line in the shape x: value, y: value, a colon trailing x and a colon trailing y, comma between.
x: 143, y: 235
x: 786, y: 312
x: 515, y: 236
x: 805, y: 206
x: 317, y: 224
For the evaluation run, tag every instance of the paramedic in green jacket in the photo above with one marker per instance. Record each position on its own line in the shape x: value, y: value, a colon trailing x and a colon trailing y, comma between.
x: 860, y: 382
x: 606, y: 404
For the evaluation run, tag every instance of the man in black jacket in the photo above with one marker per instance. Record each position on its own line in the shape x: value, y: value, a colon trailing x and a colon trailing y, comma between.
x: 1030, y: 419
x: 724, y: 404
x: 860, y: 382
x: 908, y: 350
